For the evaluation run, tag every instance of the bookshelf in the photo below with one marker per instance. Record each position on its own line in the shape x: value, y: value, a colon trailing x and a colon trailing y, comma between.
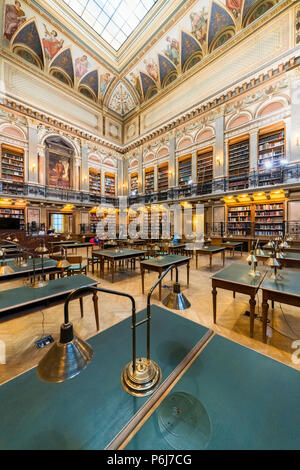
x: 149, y: 181
x: 239, y: 220
x: 184, y: 171
x: 163, y: 177
x: 205, y: 166
x: 238, y: 164
x: 269, y: 219
x: 110, y: 184
x: 12, y: 164
x: 95, y: 180
x: 134, y: 182
x: 9, y: 213
x: 271, y: 150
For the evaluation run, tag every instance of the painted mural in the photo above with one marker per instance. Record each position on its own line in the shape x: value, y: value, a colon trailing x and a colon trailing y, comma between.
x: 41, y: 44
x: 121, y: 100
x: 208, y: 25
x: 59, y: 171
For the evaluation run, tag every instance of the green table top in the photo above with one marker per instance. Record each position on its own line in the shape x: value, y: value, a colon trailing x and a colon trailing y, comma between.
x: 287, y: 255
x: 290, y: 284
x: 211, y: 249
x: 232, y: 244
x: 48, y: 263
x: 238, y: 273
x: 77, y: 245
x: 25, y: 296
x: 88, y: 411
x: 119, y: 253
x: 252, y: 402
x: 165, y: 260
x: 62, y: 242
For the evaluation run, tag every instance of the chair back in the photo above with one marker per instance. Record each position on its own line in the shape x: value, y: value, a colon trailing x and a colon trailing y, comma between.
x: 75, y: 259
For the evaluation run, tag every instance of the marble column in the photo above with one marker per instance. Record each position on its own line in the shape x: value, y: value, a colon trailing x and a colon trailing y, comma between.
x: 32, y: 157
x: 253, y: 163
x: 84, y: 184
x: 194, y: 167
x: 172, y: 160
x: 220, y: 153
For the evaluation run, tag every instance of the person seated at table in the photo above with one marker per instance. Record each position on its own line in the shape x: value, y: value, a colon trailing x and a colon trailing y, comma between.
x: 175, y: 239
x: 95, y: 241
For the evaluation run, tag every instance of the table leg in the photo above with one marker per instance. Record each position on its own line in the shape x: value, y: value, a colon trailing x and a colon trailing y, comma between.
x: 234, y: 294
x: 252, y: 303
x: 95, y: 300
x: 214, y: 294
x: 265, y: 308
x: 159, y: 287
x: 81, y: 306
x: 241, y: 250
x: 93, y: 269
x: 143, y: 276
x: 112, y: 271
x: 210, y: 261
x: 196, y: 260
x: 223, y: 258
x: 188, y: 273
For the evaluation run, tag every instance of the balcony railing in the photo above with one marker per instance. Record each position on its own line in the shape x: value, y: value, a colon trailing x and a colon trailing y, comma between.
x: 287, y: 174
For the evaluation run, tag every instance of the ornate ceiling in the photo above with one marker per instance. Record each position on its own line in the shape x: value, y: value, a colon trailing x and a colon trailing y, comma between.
x: 174, y: 37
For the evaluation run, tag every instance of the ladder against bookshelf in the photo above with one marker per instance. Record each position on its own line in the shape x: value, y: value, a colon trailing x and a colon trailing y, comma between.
x: 134, y: 182
x: 269, y: 219
x: 238, y: 164
x: 95, y: 180
x: 163, y: 177
x: 149, y: 180
x: 184, y: 170
x: 12, y: 163
x: 239, y: 220
x: 205, y: 166
x: 15, y: 214
x: 271, y: 149
x: 110, y: 184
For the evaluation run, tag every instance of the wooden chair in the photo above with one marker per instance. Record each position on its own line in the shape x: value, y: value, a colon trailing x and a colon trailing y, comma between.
x: 77, y: 267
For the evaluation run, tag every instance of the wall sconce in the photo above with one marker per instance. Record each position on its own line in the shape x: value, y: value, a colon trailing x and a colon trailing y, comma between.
x: 33, y: 167
x: 298, y: 141
x: 85, y: 179
x: 218, y: 160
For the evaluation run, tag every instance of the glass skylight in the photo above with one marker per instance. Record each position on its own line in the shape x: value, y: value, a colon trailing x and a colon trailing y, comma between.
x: 113, y: 20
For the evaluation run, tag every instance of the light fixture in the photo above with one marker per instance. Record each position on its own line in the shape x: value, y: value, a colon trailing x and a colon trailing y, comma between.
x: 8, y: 238
x: 33, y: 167
x: 274, y: 263
x: 41, y: 282
x: 268, y: 164
x: 253, y: 260
x: 71, y: 355
x: 176, y: 300
x: 4, y: 269
x: 218, y: 160
x: 298, y: 141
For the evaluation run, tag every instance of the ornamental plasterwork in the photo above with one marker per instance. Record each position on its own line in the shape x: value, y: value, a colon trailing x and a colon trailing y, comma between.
x: 121, y: 100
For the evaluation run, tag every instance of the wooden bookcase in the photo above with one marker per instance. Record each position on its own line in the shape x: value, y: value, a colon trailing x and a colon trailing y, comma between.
x: 149, y: 180
x: 95, y: 180
x: 12, y: 213
x: 271, y: 150
x: 238, y: 163
x: 163, y: 177
x: 134, y: 182
x: 184, y: 170
x: 239, y: 220
x: 269, y: 218
x: 110, y: 184
x: 263, y: 219
x: 12, y: 164
x: 205, y: 166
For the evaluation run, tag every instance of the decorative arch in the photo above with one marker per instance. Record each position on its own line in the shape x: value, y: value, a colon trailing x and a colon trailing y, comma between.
x: 238, y: 120
x: 190, y: 51
x: 184, y: 142
x: 162, y: 152
x: 204, y: 135
x: 220, y: 22
x: 166, y: 68
x: 151, y: 92
x: 268, y: 108
x: 109, y: 162
x: 90, y: 82
x: 52, y: 136
x: 149, y: 157
x: 87, y: 92
x: 134, y: 163
x: 27, y: 44
x: 121, y: 100
x: 13, y: 131
x: 94, y: 158
x: 63, y: 63
x: 222, y: 37
x: 148, y: 85
x: 253, y: 9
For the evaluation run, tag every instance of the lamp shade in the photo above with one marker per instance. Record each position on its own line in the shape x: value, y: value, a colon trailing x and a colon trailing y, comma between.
x: 270, y: 244
x: 273, y: 263
x: 251, y: 258
x: 63, y: 264
x: 41, y: 249
x: 16, y: 240
x: 8, y: 238
x: 66, y: 358
x: 176, y: 300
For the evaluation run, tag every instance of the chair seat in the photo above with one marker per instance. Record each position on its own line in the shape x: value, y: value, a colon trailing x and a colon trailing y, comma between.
x: 76, y: 267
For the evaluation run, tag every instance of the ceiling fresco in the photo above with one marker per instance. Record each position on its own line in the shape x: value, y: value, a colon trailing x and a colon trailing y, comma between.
x: 203, y: 29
